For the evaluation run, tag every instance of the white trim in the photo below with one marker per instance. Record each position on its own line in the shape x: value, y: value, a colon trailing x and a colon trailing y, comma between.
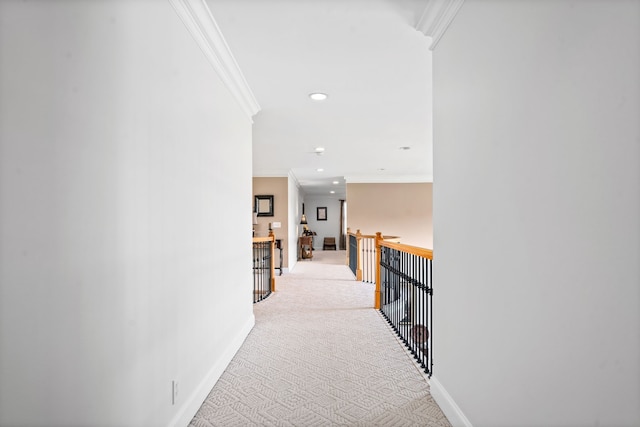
x: 271, y: 173
x: 280, y: 174
x: 437, y: 17
x: 293, y: 176
x: 381, y: 179
x: 189, y: 409
x: 354, y: 179
x: 453, y: 412
x: 197, y: 17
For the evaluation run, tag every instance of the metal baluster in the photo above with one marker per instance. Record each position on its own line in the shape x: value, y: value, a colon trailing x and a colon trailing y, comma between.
x: 261, y: 294
x: 430, y: 281
x: 398, y: 287
x: 261, y: 272
x: 423, y: 320
x: 417, y: 300
x: 373, y: 260
x: 401, y: 280
x: 425, y: 311
x: 365, y: 260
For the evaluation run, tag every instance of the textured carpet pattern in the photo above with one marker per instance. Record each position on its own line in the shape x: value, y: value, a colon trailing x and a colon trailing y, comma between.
x: 319, y: 355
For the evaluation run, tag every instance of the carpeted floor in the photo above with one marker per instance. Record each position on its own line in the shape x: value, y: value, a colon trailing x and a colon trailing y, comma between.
x: 320, y: 355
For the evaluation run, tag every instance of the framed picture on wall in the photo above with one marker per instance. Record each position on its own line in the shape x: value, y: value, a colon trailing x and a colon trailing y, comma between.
x: 264, y: 205
x: 322, y: 214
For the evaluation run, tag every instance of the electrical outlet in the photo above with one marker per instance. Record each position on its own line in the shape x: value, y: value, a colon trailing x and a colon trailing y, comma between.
x: 174, y: 392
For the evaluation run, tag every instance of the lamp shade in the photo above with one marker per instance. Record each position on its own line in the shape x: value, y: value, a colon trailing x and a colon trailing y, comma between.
x: 303, y: 219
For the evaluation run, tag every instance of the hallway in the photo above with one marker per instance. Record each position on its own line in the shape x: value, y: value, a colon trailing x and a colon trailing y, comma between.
x: 319, y: 354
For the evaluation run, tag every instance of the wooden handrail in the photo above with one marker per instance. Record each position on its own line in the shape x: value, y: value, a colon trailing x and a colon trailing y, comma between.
x: 270, y: 238
x: 359, y: 251
x: 385, y: 241
x: 373, y: 236
x: 414, y: 250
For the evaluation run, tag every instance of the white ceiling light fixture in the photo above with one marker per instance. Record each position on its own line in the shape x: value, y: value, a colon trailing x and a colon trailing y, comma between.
x: 332, y: 192
x: 319, y: 170
x: 318, y: 96
x: 336, y: 182
x: 405, y: 148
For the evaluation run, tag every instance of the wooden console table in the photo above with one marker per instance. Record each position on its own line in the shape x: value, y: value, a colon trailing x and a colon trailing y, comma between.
x: 305, y: 247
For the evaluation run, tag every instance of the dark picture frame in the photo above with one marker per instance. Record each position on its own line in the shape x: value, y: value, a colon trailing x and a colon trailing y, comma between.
x: 264, y: 205
x: 321, y: 213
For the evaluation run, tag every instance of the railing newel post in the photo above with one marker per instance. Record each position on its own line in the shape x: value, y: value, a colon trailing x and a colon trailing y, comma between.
x: 272, y: 245
x: 376, y: 303
x: 348, y: 243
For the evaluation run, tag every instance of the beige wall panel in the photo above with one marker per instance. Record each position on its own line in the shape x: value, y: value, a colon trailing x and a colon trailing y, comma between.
x: 400, y: 209
x: 278, y: 187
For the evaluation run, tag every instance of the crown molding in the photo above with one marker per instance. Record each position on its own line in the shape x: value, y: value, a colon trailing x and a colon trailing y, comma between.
x: 391, y: 179
x: 271, y: 173
x: 197, y: 17
x: 437, y: 17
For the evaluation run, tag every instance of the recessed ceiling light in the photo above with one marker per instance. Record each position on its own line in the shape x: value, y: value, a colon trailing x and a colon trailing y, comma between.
x: 319, y: 149
x: 405, y: 148
x: 336, y: 182
x: 318, y: 96
x: 320, y: 170
x: 332, y: 192
x: 380, y: 169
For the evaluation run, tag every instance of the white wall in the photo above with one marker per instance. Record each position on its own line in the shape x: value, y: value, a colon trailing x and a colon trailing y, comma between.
x: 328, y: 228
x: 536, y: 213
x: 295, y: 213
x: 119, y: 272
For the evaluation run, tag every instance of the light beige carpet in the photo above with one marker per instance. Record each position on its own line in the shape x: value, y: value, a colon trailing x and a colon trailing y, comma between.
x: 320, y: 355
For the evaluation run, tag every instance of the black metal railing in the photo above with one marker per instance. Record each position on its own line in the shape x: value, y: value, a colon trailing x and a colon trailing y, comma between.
x: 353, y: 253
x: 406, y: 295
x: 262, y: 269
x: 362, y: 254
x: 368, y: 254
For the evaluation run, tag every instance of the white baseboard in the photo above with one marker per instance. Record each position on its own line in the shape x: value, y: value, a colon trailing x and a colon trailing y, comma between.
x: 448, y: 405
x: 191, y: 405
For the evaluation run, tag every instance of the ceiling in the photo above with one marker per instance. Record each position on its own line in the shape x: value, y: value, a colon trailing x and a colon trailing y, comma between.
x: 375, y: 67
